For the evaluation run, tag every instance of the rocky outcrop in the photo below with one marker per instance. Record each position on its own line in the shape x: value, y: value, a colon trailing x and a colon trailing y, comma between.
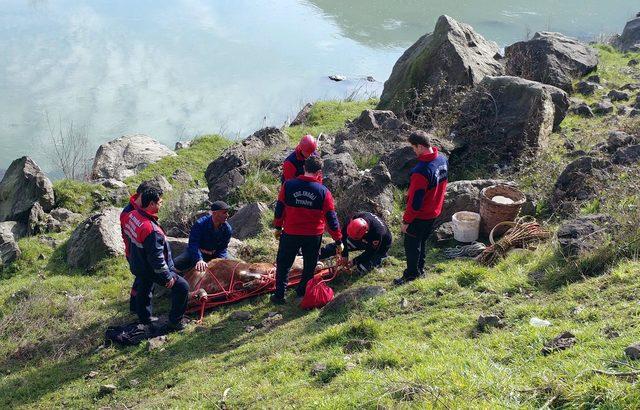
x: 580, y: 236
x: 630, y: 38
x: 247, y: 222
x: 400, y: 162
x: 228, y: 171
x: 373, y: 193
x: 23, y: 185
x: 95, y: 239
x: 303, y: 114
x: 126, y: 156
x: 340, y: 172
x: 509, y: 115
x: 376, y: 119
x: 10, y: 232
x: 454, y: 53
x: 551, y: 58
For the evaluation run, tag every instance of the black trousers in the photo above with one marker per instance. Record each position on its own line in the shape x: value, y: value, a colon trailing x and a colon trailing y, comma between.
x: 365, y: 262
x: 144, y: 296
x: 287, y: 251
x: 415, y: 246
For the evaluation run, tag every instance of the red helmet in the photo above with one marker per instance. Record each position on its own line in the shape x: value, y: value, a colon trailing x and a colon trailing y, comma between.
x: 307, y: 145
x: 357, y: 228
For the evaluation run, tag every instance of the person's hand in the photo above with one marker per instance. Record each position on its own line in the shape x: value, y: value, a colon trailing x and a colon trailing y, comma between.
x: 404, y: 227
x: 277, y: 233
x: 171, y: 282
x: 339, y: 248
x: 201, y: 266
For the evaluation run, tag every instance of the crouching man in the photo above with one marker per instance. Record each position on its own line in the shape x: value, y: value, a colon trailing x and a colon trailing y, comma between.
x: 209, y: 239
x: 363, y: 232
x: 303, y: 209
x: 150, y: 260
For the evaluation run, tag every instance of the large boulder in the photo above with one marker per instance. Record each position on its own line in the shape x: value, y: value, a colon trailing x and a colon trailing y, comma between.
x: 126, y: 156
x: 340, y: 172
x: 247, y: 222
x: 373, y: 193
x: 580, y: 181
x: 630, y: 38
x: 10, y: 232
x: 464, y: 196
x: 551, y: 58
x: 95, y: 239
x: 228, y: 171
x: 507, y: 116
x: 182, y: 211
x: 23, y: 185
x: 400, y: 162
x: 454, y: 53
x: 580, y: 236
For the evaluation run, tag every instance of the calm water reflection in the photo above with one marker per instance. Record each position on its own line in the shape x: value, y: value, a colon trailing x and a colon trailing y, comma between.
x: 175, y: 69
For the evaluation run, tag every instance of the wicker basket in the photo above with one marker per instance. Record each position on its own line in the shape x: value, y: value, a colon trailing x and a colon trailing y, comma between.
x: 492, y: 213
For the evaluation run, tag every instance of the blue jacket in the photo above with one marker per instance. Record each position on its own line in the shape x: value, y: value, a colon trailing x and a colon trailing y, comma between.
x: 149, y: 253
x: 205, y: 239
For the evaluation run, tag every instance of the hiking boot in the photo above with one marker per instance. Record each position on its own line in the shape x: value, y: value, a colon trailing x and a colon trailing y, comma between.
x: 177, y: 327
x: 277, y: 300
x: 404, y: 279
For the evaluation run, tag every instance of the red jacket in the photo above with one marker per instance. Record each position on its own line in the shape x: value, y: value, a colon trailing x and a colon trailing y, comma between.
x: 427, y: 187
x: 293, y: 166
x: 123, y: 220
x: 304, y: 207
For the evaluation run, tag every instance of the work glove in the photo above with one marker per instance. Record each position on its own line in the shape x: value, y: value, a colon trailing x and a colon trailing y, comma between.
x: 277, y: 233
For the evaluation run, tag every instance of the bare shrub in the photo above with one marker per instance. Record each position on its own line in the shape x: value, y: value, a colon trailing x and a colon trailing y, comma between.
x: 70, y: 149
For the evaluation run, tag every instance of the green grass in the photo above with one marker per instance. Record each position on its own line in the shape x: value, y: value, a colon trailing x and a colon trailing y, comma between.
x: 76, y: 196
x: 424, y: 353
x: 328, y: 117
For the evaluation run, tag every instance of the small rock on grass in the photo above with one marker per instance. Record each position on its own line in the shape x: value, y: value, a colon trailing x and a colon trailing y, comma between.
x: 487, y: 321
x: 404, y: 303
x: 249, y: 329
x: 318, y: 368
x: 563, y: 341
x: 156, y: 342
x: 633, y: 351
x: 240, y: 315
x: 107, y: 389
x: 91, y: 375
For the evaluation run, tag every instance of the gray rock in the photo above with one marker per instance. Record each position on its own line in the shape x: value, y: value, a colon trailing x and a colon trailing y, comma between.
x: 627, y: 155
x: 629, y: 40
x: 594, y: 78
x: 623, y: 110
x: 110, y: 183
x: 40, y: 222
x: 337, y: 77
x: 340, y: 172
x: 228, y: 171
x: 241, y: 315
x: 561, y: 342
x: 126, y: 156
x: 442, y: 234
x: 374, y: 119
x: 633, y: 62
x: 583, y: 110
x: 181, y: 177
x: 318, y: 368
x: 454, y: 53
x: 163, y: 183
x: 107, y: 389
x: 65, y: 216
x: 247, y: 222
x: 509, y: 115
x: 9, y: 249
x: 400, y: 162
x: 464, y: 196
x: 372, y: 193
x: 95, y: 239
x: 603, y: 107
x: 587, y: 87
x: 181, y: 212
x: 23, y: 185
x: 618, y: 139
x: 580, y: 181
x: 633, y: 351
x: 351, y: 299
x: 634, y: 112
x: 177, y: 245
x: 235, y: 248
x: 617, y: 95
x: 303, y: 114
x: 487, y: 321
x: 156, y: 342
x: 550, y: 58
x: 584, y: 234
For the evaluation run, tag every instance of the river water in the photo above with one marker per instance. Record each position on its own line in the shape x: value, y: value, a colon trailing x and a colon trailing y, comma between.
x: 177, y: 69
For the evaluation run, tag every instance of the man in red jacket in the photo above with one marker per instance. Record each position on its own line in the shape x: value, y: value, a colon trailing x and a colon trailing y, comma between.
x: 427, y: 186
x: 303, y: 209
x: 293, y: 165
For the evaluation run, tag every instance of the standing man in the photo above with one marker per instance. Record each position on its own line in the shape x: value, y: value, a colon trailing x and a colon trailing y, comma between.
x: 366, y: 232
x: 209, y: 239
x: 293, y: 165
x: 134, y: 203
x: 303, y: 209
x: 150, y: 260
x: 427, y: 186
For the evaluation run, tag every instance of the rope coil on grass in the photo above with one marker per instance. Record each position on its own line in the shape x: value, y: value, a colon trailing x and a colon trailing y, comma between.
x: 524, y: 233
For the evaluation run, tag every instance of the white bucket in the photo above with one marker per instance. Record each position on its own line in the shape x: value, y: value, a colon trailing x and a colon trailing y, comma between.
x: 466, y: 226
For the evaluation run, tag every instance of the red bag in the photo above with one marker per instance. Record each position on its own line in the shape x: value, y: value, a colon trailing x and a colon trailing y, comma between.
x: 317, y: 294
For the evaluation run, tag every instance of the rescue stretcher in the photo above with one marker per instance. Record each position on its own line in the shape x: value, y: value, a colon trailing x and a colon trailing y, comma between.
x: 227, y: 281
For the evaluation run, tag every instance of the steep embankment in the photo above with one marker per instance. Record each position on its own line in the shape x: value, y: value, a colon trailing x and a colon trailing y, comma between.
x: 415, y: 346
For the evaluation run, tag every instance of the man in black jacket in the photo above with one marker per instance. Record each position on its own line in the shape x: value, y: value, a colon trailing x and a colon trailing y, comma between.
x: 150, y: 259
x: 366, y: 232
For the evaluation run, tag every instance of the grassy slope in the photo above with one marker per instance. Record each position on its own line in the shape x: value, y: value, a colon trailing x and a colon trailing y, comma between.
x: 423, y: 355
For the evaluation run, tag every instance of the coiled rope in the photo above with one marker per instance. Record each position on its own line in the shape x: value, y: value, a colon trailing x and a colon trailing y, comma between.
x: 465, y: 251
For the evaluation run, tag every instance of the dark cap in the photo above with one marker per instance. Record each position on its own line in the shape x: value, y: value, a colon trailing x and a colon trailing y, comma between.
x: 219, y: 206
